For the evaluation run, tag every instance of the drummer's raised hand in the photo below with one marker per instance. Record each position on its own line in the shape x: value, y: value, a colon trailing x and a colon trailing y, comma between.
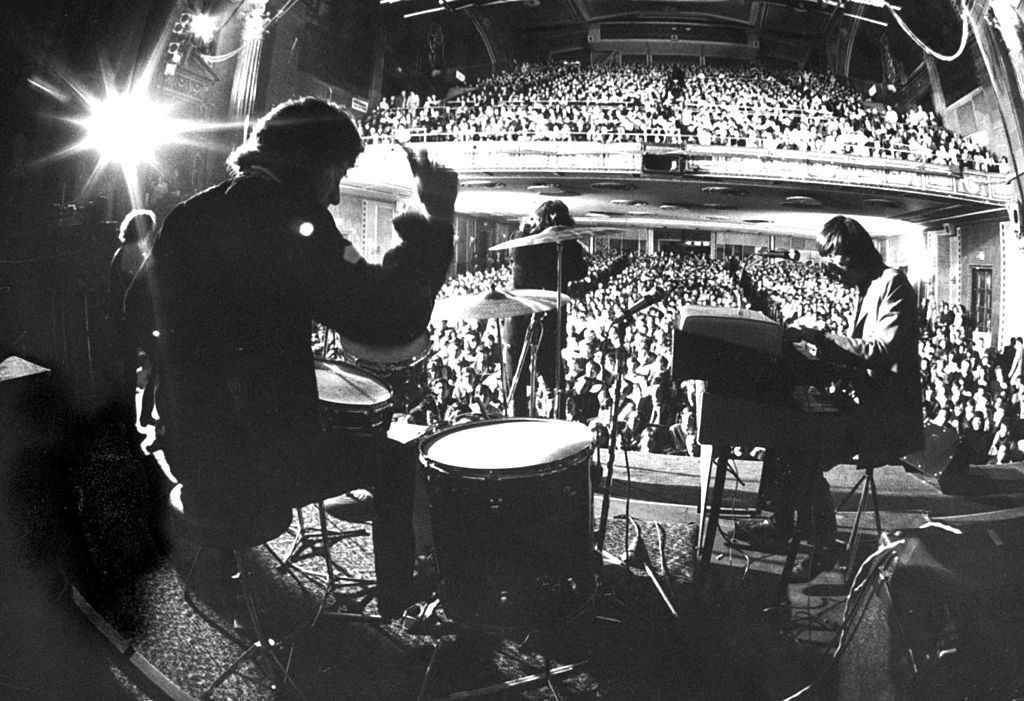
x: 436, y: 185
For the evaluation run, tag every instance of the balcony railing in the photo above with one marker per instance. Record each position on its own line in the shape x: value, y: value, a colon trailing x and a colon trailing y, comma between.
x: 623, y: 153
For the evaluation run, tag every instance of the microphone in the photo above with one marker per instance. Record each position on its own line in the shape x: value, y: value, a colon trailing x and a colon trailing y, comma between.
x: 791, y: 254
x: 648, y: 301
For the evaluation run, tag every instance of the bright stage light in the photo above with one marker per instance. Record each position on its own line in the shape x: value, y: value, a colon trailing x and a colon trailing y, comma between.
x: 128, y: 128
x: 203, y: 28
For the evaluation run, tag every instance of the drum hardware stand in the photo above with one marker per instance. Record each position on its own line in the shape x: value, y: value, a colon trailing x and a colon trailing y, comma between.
x: 534, y: 333
x: 535, y: 339
x: 318, y: 540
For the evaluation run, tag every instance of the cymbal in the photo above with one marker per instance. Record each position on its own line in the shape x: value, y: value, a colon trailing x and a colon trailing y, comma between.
x: 555, y: 234
x: 498, y: 304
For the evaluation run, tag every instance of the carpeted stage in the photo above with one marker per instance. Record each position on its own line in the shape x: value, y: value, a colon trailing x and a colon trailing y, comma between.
x: 719, y: 635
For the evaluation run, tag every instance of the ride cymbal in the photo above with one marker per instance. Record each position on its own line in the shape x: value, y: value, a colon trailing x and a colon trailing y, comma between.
x: 555, y: 234
x: 498, y: 304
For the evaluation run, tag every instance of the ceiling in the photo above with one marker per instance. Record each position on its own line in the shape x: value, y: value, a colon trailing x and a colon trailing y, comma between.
x: 708, y: 203
x: 788, y: 30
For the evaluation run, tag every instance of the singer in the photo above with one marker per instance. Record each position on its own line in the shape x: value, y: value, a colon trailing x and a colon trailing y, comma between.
x: 536, y: 267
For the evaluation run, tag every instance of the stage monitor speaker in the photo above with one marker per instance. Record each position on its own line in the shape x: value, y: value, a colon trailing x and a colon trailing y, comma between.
x: 939, y: 453
x: 950, y: 623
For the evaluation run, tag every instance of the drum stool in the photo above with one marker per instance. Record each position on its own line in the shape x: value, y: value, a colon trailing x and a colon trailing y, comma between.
x: 868, y: 490
x: 237, y: 538
x: 866, y: 486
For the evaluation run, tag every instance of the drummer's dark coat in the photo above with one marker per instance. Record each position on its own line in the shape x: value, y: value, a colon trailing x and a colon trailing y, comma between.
x: 226, y: 302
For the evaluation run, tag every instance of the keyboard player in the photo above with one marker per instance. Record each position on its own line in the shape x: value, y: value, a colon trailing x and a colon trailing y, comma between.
x: 882, y: 422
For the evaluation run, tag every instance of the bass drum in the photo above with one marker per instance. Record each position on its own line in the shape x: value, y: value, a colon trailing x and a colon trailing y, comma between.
x: 511, y: 509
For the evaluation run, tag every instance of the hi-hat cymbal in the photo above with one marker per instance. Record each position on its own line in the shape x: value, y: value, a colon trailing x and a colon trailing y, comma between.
x: 555, y: 234
x: 497, y: 304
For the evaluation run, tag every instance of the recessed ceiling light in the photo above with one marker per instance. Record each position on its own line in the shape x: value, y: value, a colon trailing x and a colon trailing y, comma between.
x: 801, y: 201
x: 724, y: 190
x: 883, y: 202
x: 612, y: 185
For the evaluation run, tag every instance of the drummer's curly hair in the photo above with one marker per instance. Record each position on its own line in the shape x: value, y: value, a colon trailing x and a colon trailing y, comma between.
x: 553, y: 213
x: 305, y: 133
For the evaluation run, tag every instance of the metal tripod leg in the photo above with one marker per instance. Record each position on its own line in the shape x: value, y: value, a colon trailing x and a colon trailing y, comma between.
x: 317, y: 541
x: 263, y: 648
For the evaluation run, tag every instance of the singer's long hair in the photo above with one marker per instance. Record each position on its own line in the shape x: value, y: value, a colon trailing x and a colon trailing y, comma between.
x: 552, y: 213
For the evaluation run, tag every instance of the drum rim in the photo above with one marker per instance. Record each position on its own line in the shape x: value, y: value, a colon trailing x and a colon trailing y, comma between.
x: 364, y: 408
x: 483, y: 473
x: 421, y: 345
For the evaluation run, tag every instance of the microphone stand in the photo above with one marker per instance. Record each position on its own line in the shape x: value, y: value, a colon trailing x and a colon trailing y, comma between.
x: 559, y: 391
x: 620, y: 356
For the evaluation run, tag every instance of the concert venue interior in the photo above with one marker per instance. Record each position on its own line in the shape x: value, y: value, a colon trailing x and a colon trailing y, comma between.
x: 697, y: 144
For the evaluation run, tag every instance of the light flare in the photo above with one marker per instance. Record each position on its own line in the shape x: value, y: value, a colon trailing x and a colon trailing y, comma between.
x: 127, y: 128
x: 204, y: 27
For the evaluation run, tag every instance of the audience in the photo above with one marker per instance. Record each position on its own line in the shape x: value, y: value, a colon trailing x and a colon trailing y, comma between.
x: 966, y: 387
x: 713, y: 105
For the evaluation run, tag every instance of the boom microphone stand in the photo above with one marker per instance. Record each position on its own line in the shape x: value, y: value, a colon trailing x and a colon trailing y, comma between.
x: 619, y: 326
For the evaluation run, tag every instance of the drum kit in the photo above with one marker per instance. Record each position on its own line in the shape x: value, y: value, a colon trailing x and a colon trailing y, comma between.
x: 510, y: 499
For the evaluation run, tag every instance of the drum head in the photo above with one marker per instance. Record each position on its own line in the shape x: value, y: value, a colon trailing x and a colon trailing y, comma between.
x: 507, y: 444
x: 344, y: 385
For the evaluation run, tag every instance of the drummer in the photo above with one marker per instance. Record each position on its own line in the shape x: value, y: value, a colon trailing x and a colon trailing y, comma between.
x: 536, y: 267
x: 227, y: 300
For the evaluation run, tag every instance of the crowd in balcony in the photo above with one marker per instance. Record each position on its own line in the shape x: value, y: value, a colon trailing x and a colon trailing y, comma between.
x: 972, y: 392
x: 711, y: 105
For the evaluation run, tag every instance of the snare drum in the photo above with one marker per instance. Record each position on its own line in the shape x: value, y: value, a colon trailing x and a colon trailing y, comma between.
x: 511, y: 510
x: 351, y: 399
x: 402, y: 367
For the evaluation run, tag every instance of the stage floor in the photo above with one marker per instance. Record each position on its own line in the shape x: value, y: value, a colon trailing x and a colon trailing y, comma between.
x: 717, y: 633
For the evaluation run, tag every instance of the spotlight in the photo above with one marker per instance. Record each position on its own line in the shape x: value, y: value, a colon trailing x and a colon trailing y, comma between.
x: 203, y: 28
x: 127, y: 128
x: 183, y: 23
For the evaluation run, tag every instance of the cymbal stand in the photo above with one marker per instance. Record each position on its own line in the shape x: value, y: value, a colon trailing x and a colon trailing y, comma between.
x: 535, y: 340
x: 531, y: 342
